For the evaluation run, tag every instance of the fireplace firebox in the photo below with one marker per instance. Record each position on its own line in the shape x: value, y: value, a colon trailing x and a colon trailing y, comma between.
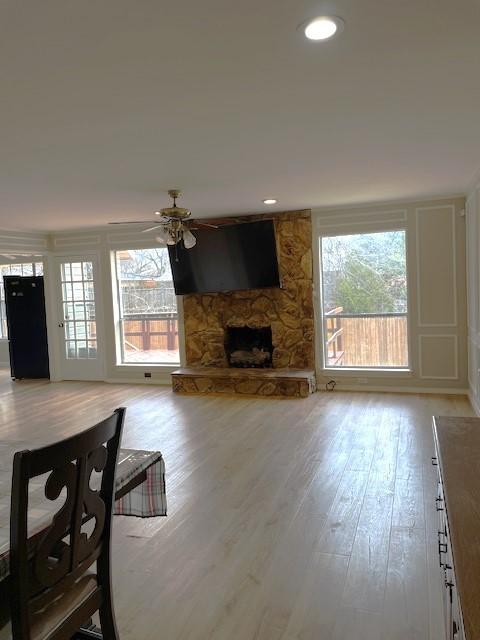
x: 249, y: 347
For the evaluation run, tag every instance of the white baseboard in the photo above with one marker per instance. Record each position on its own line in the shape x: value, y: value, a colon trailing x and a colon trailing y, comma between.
x: 163, y: 382
x: 474, y: 402
x: 321, y: 388
x: 382, y: 389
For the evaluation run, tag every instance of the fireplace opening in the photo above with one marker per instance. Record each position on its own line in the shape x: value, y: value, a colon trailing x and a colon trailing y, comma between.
x: 246, y: 347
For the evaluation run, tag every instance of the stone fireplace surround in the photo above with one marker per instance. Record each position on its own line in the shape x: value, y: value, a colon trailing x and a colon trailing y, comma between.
x: 287, y: 310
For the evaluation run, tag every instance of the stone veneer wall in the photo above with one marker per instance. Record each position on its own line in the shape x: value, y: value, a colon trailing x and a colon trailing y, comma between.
x: 289, y: 310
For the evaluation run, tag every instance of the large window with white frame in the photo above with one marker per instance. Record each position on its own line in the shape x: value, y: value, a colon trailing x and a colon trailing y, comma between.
x: 147, y: 306
x: 364, y: 300
x: 14, y: 269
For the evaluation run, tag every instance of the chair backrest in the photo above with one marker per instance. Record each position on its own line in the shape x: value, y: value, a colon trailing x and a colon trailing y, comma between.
x: 43, y: 565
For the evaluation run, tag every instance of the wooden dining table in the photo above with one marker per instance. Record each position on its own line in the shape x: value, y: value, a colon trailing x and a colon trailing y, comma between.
x: 139, y: 491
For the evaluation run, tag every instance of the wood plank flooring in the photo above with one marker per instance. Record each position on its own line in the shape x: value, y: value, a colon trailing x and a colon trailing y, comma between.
x: 288, y: 519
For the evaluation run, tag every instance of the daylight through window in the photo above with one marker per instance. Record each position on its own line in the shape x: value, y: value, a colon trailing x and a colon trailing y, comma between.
x: 364, y: 300
x: 148, y: 307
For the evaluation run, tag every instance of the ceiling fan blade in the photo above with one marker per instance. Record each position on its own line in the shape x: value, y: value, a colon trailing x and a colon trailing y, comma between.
x: 206, y: 224
x: 150, y: 228
x: 132, y: 222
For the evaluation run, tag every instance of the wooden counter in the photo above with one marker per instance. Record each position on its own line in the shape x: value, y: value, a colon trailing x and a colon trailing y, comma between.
x: 457, y: 443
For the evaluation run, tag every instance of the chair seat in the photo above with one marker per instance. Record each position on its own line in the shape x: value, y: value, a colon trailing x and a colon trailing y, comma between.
x: 43, y: 622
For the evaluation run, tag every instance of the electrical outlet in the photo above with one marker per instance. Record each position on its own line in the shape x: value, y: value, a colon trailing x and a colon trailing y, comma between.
x: 362, y: 380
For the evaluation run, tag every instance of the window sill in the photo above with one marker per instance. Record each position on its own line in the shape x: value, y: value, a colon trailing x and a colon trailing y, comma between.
x: 148, y: 365
x: 352, y: 372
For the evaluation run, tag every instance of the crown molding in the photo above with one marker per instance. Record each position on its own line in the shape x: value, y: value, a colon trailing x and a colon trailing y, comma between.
x: 390, y: 203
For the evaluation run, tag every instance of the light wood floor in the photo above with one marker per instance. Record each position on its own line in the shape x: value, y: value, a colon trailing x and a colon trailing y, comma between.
x: 288, y: 519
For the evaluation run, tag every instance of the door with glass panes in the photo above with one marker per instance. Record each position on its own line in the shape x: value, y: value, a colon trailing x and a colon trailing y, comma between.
x: 81, y: 346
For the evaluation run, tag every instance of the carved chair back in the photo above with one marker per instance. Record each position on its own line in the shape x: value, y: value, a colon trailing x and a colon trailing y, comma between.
x: 44, y: 565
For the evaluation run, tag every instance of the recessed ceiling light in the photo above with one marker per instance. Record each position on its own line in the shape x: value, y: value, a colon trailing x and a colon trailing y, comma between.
x: 158, y: 213
x: 270, y: 201
x: 323, y: 27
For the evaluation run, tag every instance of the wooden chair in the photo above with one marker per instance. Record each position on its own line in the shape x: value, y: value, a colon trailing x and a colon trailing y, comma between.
x: 53, y: 587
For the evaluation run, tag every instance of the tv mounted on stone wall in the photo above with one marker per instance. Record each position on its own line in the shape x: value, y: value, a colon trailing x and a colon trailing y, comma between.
x: 231, y: 258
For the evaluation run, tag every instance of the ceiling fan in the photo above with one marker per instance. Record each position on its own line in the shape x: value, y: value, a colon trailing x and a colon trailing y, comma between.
x: 173, y: 224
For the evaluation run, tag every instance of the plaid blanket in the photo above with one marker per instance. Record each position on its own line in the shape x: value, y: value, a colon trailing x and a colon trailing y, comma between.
x: 149, y: 498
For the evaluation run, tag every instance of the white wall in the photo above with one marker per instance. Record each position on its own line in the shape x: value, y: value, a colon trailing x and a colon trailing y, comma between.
x: 436, y: 291
x: 3, y: 353
x: 473, y: 284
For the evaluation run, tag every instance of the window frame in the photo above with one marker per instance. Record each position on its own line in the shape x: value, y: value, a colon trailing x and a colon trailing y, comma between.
x: 119, y: 317
x: 405, y: 371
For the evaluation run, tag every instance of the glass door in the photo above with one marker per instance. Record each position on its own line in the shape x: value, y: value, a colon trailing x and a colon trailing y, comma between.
x: 81, y: 352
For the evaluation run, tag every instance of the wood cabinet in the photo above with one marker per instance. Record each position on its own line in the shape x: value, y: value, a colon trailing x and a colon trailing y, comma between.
x: 457, y: 444
x: 451, y: 603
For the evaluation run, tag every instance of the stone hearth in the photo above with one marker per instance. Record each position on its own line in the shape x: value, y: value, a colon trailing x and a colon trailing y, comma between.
x: 286, y: 383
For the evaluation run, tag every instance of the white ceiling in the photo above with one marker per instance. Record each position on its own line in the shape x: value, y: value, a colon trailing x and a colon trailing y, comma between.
x: 106, y: 104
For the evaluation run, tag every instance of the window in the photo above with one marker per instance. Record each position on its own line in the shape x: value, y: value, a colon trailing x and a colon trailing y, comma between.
x: 148, y: 307
x: 20, y: 269
x: 78, y: 301
x: 364, y: 300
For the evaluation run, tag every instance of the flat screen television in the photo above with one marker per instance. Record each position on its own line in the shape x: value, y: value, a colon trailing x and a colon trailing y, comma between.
x: 232, y: 257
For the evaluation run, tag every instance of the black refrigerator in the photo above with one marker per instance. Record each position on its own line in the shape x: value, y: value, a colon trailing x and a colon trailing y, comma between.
x: 27, y: 326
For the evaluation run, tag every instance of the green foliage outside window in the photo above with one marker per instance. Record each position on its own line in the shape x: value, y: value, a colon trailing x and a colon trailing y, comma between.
x: 365, y: 273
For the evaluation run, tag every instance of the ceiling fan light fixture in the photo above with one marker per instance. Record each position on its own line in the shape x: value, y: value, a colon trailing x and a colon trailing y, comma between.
x: 163, y: 236
x: 171, y: 228
x: 189, y: 240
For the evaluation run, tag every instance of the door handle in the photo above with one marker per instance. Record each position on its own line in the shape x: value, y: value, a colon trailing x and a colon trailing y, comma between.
x: 61, y: 325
